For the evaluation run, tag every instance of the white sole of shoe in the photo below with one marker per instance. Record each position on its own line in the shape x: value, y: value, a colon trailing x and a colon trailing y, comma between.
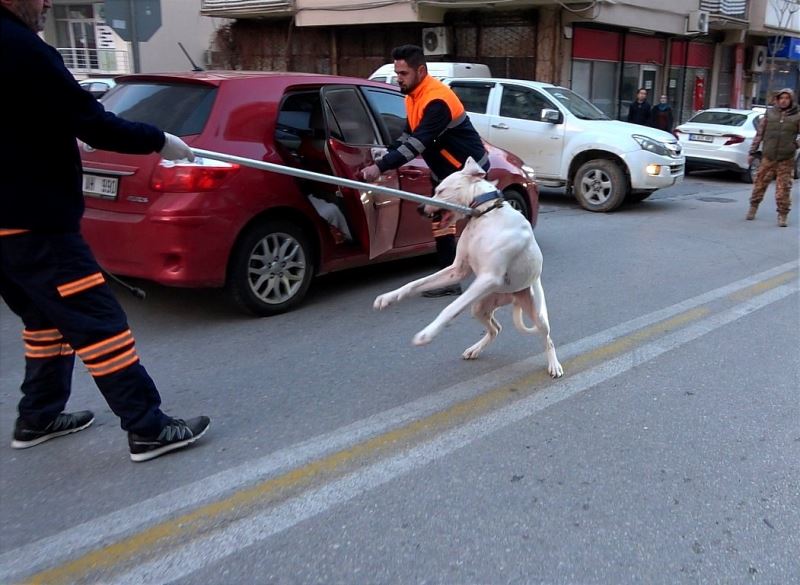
x: 15, y: 444
x: 139, y: 457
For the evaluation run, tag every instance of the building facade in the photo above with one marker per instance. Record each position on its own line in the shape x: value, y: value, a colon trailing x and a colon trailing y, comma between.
x: 83, y: 34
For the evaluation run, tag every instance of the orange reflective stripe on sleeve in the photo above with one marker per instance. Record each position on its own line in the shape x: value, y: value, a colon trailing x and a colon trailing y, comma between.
x: 41, y: 335
x: 439, y: 231
x: 114, y: 364
x: 450, y: 158
x: 43, y: 351
x: 106, y: 346
x: 8, y: 232
x: 80, y: 285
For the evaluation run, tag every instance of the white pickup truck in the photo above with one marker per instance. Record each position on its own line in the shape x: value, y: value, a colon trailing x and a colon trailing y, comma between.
x: 570, y: 143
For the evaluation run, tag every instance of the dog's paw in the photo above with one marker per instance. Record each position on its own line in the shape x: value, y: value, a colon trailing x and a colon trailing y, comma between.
x: 555, y: 369
x: 472, y: 353
x: 424, y: 337
x: 383, y: 301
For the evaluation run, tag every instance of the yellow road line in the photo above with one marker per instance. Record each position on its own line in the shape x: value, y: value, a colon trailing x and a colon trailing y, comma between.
x: 147, y: 540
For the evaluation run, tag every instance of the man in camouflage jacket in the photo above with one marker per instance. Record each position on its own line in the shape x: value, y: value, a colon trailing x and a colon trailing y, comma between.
x: 778, y: 136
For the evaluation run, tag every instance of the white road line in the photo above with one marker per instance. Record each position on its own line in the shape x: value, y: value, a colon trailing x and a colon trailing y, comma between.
x: 79, y: 539
x: 202, y: 552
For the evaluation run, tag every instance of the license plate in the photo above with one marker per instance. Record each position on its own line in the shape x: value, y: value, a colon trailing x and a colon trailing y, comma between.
x: 701, y: 138
x: 100, y: 186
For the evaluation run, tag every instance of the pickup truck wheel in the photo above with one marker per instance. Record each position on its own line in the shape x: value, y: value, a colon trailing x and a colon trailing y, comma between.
x: 516, y: 201
x: 271, y: 268
x: 599, y: 185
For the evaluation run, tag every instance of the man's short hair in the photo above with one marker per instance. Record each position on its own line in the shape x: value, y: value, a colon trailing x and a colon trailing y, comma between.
x: 641, y: 89
x: 411, y: 54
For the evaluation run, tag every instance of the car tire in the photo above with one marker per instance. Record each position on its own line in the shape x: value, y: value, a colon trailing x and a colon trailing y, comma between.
x: 749, y: 176
x: 271, y: 268
x: 517, y: 202
x: 599, y: 185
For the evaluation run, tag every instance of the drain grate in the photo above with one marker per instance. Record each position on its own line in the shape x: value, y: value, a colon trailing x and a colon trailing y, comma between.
x: 716, y: 199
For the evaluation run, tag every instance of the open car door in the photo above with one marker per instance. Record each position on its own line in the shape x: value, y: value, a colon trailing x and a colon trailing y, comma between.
x: 352, y: 138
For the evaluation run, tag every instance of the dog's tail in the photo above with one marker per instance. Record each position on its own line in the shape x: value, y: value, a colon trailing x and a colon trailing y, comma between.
x: 519, y: 322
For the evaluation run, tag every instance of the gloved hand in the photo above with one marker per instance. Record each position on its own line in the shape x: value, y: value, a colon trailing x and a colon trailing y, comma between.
x: 370, y: 174
x: 175, y: 149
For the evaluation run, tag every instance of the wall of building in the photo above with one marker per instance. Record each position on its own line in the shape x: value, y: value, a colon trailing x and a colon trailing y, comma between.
x: 180, y: 22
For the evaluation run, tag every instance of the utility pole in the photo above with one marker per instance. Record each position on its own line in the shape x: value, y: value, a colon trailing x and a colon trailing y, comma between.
x: 134, y: 37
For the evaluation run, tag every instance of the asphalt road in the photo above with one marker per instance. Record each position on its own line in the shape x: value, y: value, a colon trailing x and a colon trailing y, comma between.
x: 338, y: 453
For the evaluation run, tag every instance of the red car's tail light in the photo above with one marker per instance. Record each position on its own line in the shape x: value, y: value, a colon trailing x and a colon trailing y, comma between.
x: 185, y: 177
x: 733, y: 139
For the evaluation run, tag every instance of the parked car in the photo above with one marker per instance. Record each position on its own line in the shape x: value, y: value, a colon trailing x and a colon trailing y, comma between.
x: 210, y: 224
x: 440, y: 70
x: 98, y: 86
x: 721, y: 138
x: 571, y: 143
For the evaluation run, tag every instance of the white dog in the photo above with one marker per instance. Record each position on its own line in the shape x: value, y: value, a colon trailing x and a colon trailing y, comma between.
x: 498, y: 247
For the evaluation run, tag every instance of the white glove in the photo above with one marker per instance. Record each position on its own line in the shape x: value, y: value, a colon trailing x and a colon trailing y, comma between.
x: 175, y: 149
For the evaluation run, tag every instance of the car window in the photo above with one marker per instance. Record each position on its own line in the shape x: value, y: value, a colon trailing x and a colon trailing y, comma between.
x: 178, y: 108
x: 301, y: 114
x: 99, y: 86
x: 580, y: 107
x: 350, y: 121
x: 474, y: 96
x: 720, y: 118
x: 522, y: 103
x: 391, y: 108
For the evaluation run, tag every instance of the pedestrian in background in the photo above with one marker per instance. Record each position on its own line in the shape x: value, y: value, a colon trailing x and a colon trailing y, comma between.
x: 48, y: 275
x: 438, y: 128
x: 661, y: 115
x: 639, y: 111
x: 778, y: 132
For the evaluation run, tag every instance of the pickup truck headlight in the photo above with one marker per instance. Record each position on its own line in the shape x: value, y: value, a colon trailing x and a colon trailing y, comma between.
x: 529, y: 172
x: 652, y: 145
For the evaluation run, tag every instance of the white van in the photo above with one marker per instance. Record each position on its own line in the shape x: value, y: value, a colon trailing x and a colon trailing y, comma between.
x: 439, y: 70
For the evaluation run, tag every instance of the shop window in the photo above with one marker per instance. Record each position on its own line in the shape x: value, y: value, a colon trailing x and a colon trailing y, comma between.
x: 597, y: 82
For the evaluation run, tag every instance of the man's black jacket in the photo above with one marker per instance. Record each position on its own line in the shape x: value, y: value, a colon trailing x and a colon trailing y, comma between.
x: 43, y: 111
x: 639, y: 113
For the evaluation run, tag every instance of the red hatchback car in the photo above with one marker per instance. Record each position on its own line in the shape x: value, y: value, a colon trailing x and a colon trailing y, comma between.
x: 262, y: 235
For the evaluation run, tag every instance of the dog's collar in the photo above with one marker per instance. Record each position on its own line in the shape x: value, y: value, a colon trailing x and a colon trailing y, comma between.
x: 496, y: 196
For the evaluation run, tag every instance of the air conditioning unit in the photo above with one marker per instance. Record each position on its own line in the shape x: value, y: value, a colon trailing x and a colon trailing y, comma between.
x: 758, y: 61
x: 697, y: 22
x: 436, y: 40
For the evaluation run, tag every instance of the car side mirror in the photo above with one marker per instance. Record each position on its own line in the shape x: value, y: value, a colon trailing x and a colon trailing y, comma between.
x: 552, y: 116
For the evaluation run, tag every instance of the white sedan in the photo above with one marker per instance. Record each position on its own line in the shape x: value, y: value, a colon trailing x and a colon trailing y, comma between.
x: 720, y: 138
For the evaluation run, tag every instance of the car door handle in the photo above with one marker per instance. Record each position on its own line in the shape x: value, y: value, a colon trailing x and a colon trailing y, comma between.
x: 501, y: 126
x: 412, y: 174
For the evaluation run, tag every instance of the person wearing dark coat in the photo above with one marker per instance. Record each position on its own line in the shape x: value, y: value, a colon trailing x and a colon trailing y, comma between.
x: 48, y: 275
x: 661, y: 115
x: 639, y: 112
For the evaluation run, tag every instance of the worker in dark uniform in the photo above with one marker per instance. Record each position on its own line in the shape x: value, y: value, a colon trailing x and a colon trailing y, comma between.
x: 48, y: 275
x: 437, y: 128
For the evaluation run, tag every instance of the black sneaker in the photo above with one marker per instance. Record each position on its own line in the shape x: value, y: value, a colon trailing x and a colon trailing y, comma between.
x: 177, y: 434
x: 445, y: 291
x: 65, y: 423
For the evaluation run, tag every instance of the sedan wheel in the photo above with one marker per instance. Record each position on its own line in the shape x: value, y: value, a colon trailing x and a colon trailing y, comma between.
x: 272, y: 268
x: 516, y: 201
x: 599, y: 185
x: 749, y: 175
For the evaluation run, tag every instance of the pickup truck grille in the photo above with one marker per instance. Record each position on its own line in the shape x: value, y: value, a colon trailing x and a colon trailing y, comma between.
x: 675, y: 170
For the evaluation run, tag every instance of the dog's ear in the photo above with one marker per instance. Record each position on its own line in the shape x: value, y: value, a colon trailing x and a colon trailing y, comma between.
x: 473, y: 169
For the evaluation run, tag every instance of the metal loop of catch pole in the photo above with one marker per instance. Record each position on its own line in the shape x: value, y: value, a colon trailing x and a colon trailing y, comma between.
x: 303, y: 174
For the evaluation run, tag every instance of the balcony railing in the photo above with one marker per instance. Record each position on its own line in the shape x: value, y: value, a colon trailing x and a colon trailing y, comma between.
x: 96, y: 61
x: 245, y: 8
x: 730, y: 8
